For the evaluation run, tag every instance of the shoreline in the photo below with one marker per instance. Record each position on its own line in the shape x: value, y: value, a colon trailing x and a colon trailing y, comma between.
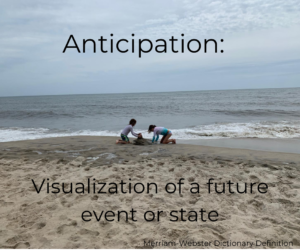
x: 95, y: 148
x: 280, y: 145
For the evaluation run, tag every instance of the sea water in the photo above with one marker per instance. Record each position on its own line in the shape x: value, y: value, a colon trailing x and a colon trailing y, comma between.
x: 255, y: 113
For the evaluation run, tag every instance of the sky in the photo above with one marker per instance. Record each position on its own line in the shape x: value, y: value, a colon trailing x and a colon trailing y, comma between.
x: 261, y: 46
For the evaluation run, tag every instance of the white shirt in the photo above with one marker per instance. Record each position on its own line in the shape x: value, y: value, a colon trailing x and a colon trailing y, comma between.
x: 128, y: 129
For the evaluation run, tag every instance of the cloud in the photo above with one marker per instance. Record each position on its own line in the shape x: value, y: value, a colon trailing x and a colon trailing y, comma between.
x: 210, y: 17
x: 34, y: 33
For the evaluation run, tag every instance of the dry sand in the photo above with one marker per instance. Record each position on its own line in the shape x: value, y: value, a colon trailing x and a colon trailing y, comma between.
x: 32, y: 220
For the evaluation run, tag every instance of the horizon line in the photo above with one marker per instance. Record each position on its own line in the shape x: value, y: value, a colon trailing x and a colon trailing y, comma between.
x: 112, y: 93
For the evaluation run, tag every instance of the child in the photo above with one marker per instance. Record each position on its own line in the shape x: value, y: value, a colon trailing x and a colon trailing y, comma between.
x: 125, y: 132
x: 163, y: 131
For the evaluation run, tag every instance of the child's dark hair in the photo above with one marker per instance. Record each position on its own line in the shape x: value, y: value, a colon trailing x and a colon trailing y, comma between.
x: 132, y: 122
x: 151, y: 127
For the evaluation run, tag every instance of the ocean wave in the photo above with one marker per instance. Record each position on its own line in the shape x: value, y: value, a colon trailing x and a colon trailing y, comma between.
x: 242, y: 130
x: 36, y: 114
x: 283, y: 129
x: 17, y: 133
x: 258, y: 112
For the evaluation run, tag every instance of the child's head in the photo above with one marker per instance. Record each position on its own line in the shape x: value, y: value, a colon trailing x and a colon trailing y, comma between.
x: 132, y: 122
x: 151, y: 128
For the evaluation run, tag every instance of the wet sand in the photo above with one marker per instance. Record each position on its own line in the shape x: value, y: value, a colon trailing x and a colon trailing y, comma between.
x: 40, y: 220
x: 267, y: 145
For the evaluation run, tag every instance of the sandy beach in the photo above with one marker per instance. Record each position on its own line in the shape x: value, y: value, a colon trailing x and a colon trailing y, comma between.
x: 207, y: 93
x: 54, y: 220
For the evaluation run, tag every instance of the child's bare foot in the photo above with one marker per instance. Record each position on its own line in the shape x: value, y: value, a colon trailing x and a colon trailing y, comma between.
x: 174, y: 141
x: 117, y: 141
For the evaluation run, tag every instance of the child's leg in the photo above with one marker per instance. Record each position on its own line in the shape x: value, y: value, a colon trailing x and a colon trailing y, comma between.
x: 124, y: 140
x: 162, y: 139
x: 119, y: 141
x: 166, y: 139
x: 173, y: 141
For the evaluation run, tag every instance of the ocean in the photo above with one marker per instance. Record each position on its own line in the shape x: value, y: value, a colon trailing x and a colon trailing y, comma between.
x: 255, y: 113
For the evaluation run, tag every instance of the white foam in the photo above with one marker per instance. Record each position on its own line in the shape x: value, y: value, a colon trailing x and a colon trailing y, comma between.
x: 90, y: 159
x: 144, y: 154
x: 109, y: 155
x: 17, y: 134
x: 241, y: 130
x: 283, y: 129
x: 38, y: 152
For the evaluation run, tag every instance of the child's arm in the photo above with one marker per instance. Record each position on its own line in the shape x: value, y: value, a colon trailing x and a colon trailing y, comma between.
x: 133, y: 133
x: 154, y: 134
